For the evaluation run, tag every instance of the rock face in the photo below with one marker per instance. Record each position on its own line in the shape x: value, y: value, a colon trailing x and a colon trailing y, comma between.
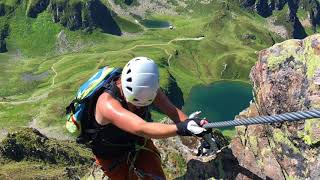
x: 7, y: 8
x: 84, y: 15
x: 36, y: 7
x: 141, y: 8
x: 75, y: 15
x: 174, y: 93
x: 3, y: 34
x: 284, y: 79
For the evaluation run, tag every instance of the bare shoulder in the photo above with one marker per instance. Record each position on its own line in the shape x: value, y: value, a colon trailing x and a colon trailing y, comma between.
x: 103, y: 98
x: 105, y: 107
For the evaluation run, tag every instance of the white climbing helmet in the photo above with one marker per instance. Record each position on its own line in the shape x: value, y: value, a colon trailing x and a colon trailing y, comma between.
x: 140, y: 81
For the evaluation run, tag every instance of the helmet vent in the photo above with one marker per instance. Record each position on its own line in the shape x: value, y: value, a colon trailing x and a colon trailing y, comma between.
x: 150, y: 100
x: 129, y: 79
x: 129, y: 88
x: 129, y: 71
x: 135, y: 99
x: 137, y: 59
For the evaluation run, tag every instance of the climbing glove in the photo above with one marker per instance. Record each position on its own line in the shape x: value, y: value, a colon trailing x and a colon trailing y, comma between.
x: 190, y: 127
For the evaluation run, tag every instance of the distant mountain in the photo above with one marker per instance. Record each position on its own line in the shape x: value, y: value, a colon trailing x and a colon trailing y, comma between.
x: 74, y: 15
x: 290, y: 13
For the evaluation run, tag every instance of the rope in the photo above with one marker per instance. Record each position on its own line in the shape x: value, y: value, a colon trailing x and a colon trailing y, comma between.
x: 291, y: 116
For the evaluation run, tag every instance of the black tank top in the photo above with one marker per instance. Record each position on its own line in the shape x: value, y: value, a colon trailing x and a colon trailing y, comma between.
x: 111, y: 141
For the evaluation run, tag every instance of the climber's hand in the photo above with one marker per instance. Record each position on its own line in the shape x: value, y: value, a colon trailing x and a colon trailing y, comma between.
x: 194, y: 114
x: 203, y: 122
x: 191, y: 127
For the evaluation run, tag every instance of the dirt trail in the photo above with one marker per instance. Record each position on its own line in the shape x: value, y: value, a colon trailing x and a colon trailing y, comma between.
x: 33, y: 99
x: 51, y: 132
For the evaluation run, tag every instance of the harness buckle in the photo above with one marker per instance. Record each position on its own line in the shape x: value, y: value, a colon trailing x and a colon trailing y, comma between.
x: 138, y: 172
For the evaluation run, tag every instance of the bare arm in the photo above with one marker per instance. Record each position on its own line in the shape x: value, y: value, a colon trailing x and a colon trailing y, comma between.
x: 110, y: 110
x: 164, y: 104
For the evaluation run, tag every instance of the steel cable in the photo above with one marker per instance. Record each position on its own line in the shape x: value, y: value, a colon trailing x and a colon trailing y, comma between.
x: 290, y: 116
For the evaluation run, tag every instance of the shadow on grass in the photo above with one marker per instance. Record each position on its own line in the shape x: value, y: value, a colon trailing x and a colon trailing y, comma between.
x: 102, y: 17
x: 174, y: 93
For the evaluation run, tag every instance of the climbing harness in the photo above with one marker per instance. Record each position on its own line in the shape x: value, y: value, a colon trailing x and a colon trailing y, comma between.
x: 290, y: 116
x: 130, y: 160
x: 142, y: 175
x: 208, y: 145
x: 202, y: 153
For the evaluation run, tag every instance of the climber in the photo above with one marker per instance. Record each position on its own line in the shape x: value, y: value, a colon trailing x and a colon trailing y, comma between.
x: 124, y: 148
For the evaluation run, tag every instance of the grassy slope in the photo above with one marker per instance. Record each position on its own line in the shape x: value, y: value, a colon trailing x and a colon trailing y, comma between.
x: 193, y: 62
x: 25, y: 154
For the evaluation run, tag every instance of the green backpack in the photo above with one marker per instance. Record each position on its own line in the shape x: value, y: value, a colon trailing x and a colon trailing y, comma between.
x: 78, y: 110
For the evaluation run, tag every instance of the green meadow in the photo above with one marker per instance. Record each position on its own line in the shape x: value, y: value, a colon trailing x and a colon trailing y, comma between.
x: 222, y: 54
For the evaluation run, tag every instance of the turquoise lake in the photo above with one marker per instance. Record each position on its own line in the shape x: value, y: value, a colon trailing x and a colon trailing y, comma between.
x: 219, y: 101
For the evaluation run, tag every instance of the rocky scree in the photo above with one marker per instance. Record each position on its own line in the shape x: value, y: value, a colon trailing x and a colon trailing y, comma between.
x: 29, y: 146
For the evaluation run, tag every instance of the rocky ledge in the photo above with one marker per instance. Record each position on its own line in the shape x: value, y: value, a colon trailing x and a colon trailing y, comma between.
x: 27, y: 154
x: 285, y: 78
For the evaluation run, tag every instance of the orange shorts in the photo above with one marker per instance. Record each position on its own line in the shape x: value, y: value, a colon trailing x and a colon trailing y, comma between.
x: 147, y: 165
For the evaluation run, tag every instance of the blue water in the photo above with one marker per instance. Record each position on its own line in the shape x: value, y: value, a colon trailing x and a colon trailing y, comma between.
x: 155, y: 23
x: 219, y: 101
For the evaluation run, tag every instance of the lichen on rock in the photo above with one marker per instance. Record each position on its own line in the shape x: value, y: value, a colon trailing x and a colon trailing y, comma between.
x: 284, y: 80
